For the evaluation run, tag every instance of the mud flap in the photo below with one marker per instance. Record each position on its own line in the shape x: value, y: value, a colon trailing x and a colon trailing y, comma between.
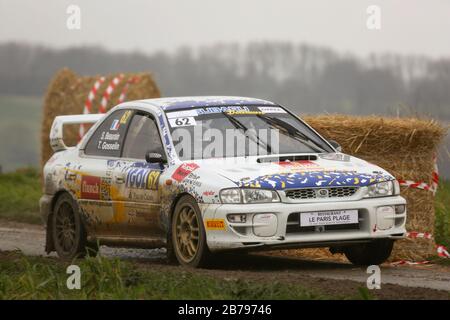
x: 49, y: 245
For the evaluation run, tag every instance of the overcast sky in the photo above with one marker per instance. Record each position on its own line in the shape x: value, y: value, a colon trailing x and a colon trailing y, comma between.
x: 407, y: 26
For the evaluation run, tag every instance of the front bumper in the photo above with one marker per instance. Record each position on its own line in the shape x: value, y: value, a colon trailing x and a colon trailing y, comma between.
x: 373, y: 224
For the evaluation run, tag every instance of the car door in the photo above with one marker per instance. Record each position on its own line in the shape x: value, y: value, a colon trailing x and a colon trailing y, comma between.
x: 138, y: 181
x: 98, y: 199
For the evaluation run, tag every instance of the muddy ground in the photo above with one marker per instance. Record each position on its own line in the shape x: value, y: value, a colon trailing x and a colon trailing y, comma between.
x: 334, y: 278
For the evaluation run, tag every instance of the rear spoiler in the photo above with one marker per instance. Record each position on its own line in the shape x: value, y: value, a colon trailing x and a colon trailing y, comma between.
x: 56, y: 132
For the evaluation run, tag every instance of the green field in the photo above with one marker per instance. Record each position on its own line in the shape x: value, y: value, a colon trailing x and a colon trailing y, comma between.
x: 19, y: 196
x: 442, y: 232
x: 19, y: 131
x: 102, y: 278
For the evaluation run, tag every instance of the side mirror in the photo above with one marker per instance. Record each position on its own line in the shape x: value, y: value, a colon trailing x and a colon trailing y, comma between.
x: 154, y: 157
x: 335, y: 145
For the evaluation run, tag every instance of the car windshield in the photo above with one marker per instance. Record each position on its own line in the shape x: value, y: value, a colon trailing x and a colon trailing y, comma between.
x: 234, y: 131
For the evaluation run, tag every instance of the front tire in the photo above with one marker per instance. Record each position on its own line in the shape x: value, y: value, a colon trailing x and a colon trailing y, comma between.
x: 188, y: 235
x: 68, y: 232
x: 372, y: 253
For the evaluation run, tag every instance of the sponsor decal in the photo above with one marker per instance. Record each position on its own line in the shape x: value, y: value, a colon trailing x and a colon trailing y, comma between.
x: 272, y: 110
x: 227, y: 109
x: 111, y: 164
x: 243, y: 112
x: 125, y: 117
x: 208, y: 193
x: 142, y: 195
x: 90, y: 187
x: 166, y: 139
x: 105, y: 188
x: 215, y: 224
x: 192, y: 180
x: 299, y: 165
x: 115, y: 125
x: 183, y: 171
x: 141, y: 178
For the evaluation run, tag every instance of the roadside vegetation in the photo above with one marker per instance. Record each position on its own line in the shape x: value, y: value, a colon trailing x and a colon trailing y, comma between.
x: 101, y: 278
x: 442, y: 232
x: 19, y: 195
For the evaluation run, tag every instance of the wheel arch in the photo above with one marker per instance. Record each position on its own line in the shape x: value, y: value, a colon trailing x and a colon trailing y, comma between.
x: 170, y: 214
x: 49, y: 245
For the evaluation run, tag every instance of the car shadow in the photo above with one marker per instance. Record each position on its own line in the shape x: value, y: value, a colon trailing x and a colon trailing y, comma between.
x: 252, y: 261
x: 265, y: 262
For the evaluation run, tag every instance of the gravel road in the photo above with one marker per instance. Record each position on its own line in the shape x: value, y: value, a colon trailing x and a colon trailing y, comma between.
x: 428, y: 281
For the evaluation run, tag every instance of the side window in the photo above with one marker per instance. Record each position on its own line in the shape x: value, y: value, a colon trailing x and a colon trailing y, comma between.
x: 143, y: 136
x: 108, y: 138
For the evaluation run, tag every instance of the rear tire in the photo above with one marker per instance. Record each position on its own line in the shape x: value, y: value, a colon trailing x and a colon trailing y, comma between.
x: 371, y: 253
x: 68, y: 232
x: 188, y: 237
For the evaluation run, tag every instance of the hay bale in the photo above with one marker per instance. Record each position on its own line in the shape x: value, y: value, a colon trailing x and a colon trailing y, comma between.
x: 68, y: 92
x: 403, y: 146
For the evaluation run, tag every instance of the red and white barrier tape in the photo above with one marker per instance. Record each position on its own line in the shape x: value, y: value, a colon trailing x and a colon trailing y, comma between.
x: 409, y: 263
x: 107, y: 94
x: 441, y: 250
x: 123, y: 94
x: 88, y: 103
x: 416, y: 185
x: 435, y: 176
x: 423, y: 185
x: 415, y: 235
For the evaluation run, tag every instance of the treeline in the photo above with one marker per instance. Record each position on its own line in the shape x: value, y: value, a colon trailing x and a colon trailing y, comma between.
x: 307, y: 78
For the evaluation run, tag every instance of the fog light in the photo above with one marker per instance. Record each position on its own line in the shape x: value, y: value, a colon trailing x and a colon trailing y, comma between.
x: 385, y: 218
x: 400, y: 208
x: 237, y: 218
x: 265, y: 224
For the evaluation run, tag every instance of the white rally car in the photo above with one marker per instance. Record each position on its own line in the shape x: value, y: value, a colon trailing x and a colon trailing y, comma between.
x: 154, y: 173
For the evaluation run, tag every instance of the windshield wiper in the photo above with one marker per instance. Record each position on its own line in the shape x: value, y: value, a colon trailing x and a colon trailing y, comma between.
x: 292, y: 131
x: 236, y: 123
x: 239, y: 125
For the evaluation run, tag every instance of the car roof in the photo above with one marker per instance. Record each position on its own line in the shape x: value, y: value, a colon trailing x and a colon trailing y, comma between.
x: 177, y: 103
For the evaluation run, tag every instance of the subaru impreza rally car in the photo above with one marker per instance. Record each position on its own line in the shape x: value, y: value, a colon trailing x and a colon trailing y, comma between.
x: 145, y: 175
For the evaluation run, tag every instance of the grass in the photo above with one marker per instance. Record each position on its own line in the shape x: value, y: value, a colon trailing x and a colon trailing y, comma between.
x: 19, y: 196
x: 101, y: 278
x: 442, y: 233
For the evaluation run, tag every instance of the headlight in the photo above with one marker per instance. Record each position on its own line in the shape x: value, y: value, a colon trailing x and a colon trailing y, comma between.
x: 260, y: 196
x: 383, y: 189
x: 231, y: 196
x: 237, y: 195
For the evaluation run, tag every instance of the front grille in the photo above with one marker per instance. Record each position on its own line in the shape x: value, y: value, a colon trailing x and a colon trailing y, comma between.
x: 293, y: 225
x: 313, y: 193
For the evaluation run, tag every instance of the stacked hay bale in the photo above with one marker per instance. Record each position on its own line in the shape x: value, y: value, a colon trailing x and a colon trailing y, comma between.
x: 68, y: 92
x: 403, y: 146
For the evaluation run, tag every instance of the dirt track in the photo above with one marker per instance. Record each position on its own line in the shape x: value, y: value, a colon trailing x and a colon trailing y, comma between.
x: 336, y: 278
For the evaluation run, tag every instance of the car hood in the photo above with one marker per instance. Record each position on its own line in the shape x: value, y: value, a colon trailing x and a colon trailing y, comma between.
x: 327, y: 170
